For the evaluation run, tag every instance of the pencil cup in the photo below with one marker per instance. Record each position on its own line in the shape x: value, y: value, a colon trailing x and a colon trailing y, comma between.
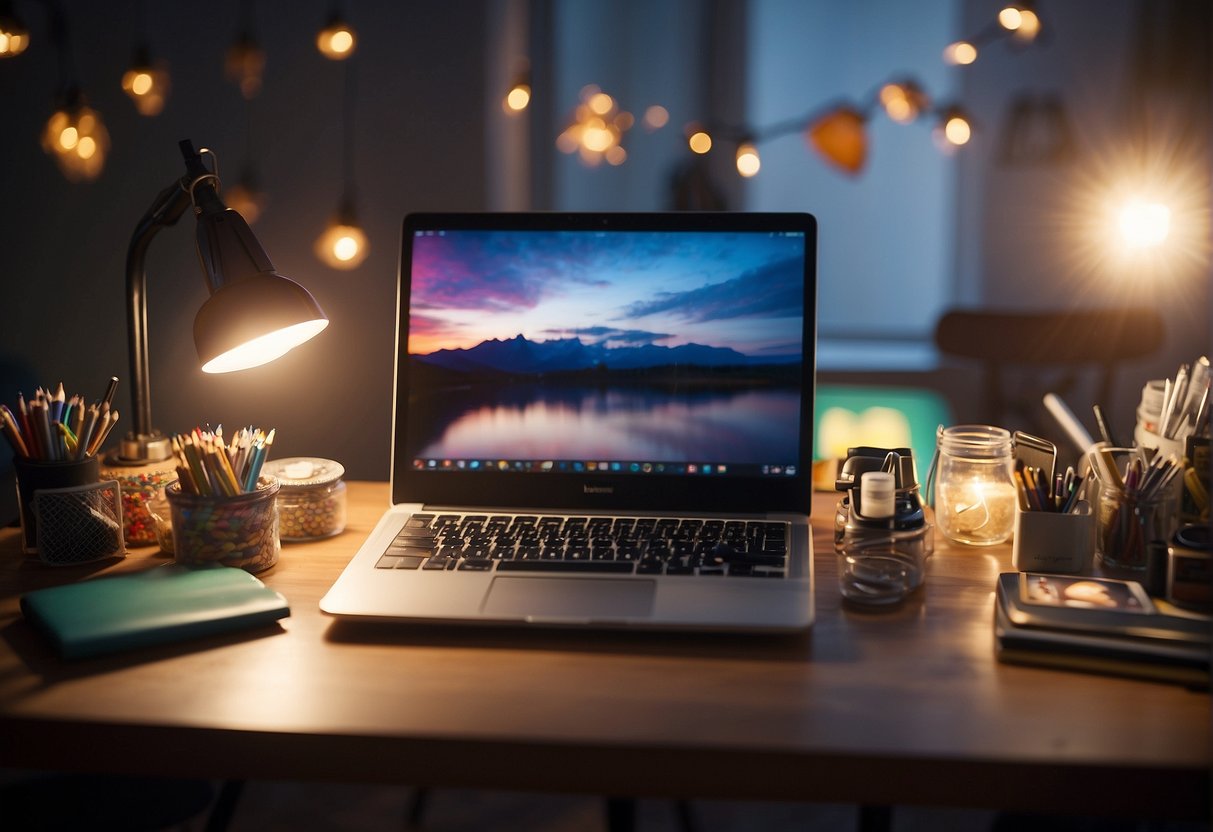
x: 1128, y: 525
x: 232, y: 531
x: 1049, y: 541
x: 37, y: 475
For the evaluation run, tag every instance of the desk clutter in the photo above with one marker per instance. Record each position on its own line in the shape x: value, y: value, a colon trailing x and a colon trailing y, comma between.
x: 1113, y: 556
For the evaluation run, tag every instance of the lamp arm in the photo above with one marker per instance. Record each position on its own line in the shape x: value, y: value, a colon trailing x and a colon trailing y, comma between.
x: 167, y: 208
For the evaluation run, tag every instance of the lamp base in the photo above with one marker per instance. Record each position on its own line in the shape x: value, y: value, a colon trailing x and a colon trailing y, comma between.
x: 143, y: 449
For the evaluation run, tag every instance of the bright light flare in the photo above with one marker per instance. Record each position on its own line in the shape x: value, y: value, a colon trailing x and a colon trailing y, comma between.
x: 1144, y: 224
x: 1135, y: 221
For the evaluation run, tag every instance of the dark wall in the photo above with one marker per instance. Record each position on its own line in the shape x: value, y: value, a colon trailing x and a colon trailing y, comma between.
x: 419, y: 145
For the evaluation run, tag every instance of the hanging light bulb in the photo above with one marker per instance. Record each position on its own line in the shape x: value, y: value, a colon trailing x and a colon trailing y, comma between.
x: 748, y: 161
x: 519, y: 96
x: 1021, y: 21
x: 343, y: 245
x: 244, y: 63
x: 698, y: 139
x: 14, y: 36
x: 596, y: 129
x: 841, y: 138
x: 903, y: 101
x: 337, y: 40
x: 76, y: 138
x: 960, y: 53
x: 954, y: 129
x: 145, y: 83
x: 246, y: 197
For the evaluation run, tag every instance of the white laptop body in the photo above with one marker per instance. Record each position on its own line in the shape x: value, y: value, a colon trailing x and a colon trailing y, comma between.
x: 645, y: 377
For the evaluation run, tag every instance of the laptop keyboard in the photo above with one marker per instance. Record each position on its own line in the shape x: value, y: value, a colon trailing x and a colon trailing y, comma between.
x: 611, y: 545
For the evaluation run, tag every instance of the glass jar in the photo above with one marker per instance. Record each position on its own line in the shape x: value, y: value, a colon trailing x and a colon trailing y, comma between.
x: 311, y: 502
x: 975, y: 495
x: 141, y: 485
x: 231, y: 531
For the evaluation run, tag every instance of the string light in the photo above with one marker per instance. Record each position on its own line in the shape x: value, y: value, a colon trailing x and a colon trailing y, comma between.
x: 244, y: 63
x: 596, y: 129
x: 343, y: 244
x: 839, y: 136
x: 700, y: 141
x: 748, y: 161
x: 838, y: 132
x: 337, y: 40
x: 146, y: 84
x: 518, y: 97
x: 960, y: 53
x: 76, y: 138
x: 955, y: 128
x: 903, y: 101
x: 14, y: 36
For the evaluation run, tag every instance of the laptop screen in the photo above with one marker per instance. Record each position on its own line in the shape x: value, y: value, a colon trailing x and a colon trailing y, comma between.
x: 582, y: 360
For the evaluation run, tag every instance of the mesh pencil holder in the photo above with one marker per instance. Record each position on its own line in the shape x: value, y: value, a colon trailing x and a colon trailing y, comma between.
x: 79, y: 524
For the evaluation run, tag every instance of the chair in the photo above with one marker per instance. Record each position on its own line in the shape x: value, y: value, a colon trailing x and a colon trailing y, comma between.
x: 1066, y: 344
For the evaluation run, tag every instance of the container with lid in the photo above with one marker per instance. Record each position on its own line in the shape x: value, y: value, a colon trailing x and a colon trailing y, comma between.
x: 311, y: 502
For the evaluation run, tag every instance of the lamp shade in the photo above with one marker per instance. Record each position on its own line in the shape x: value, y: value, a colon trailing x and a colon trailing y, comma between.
x: 253, y: 320
x: 254, y: 314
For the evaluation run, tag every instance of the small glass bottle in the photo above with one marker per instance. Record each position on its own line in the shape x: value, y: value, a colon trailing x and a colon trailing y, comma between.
x: 975, y: 495
x: 311, y: 502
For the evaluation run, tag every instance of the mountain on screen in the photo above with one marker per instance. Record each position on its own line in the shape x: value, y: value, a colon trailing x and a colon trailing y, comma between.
x: 518, y: 355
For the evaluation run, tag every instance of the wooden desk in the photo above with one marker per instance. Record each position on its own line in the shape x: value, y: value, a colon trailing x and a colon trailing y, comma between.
x: 907, y: 706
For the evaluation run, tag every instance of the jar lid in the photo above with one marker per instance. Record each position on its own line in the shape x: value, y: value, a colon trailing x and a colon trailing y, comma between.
x: 304, y: 471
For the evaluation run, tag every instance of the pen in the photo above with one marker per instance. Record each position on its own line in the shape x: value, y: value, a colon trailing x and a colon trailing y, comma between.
x: 1104, y: 431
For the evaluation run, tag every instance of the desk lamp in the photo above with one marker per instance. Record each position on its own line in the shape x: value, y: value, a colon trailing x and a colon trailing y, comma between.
x: 253, y: 315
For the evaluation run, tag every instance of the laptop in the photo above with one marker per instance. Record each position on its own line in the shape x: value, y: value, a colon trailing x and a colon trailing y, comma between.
x: 600, y: 420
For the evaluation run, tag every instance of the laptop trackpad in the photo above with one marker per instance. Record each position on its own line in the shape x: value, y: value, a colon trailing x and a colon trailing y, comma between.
x: 574, y: 599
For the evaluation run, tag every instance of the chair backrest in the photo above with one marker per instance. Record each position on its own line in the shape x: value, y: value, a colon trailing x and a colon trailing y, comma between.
x: 1098, y: 339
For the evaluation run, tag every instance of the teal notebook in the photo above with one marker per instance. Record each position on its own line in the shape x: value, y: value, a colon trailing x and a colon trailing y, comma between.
x: 165, y: 604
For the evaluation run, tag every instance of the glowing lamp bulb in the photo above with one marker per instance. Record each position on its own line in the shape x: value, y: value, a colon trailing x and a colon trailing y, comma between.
x: 13, y: 38
x: 336, y: 41
x: 265, y: 348
x: 748, y: 162
x: 961, y: 53
x: 518, y: 98
x: 76, y: 138
x: 700, y: 142
x: 342, y: 246
x: 957, y: 130
x: 1144, y: 224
